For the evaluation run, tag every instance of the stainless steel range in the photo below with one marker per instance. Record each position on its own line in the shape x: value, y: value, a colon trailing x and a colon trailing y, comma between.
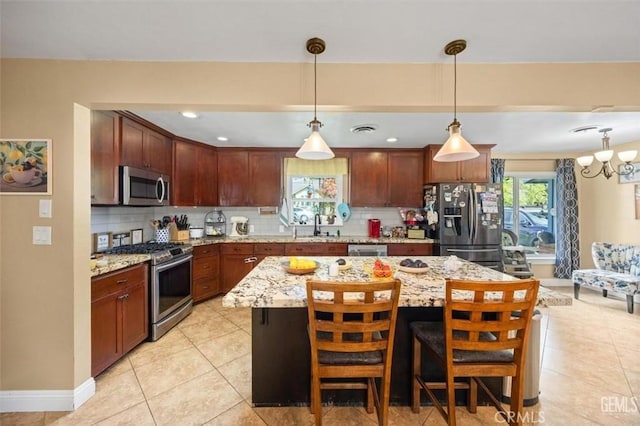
x: 170, y: 283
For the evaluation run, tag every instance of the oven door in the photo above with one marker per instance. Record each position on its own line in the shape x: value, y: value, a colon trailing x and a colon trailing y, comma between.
x: 170, y: 287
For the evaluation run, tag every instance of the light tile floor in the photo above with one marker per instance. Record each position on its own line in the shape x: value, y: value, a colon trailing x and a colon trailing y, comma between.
x: 200, y: 373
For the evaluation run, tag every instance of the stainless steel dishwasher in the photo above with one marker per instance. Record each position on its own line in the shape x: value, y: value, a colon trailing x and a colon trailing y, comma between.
x: 367, y: 250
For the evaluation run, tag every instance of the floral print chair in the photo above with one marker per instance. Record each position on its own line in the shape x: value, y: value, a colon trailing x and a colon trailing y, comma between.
x: 618, y: 270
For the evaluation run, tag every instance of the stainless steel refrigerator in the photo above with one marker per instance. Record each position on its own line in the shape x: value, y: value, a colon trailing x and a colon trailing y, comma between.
x: 468, y: 220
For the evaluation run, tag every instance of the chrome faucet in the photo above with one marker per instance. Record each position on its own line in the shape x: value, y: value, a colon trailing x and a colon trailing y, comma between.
x: 316, y: 225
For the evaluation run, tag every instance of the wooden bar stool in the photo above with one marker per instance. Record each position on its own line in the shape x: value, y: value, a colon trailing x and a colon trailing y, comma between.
x: 351, y: 331
x: 478, y: 338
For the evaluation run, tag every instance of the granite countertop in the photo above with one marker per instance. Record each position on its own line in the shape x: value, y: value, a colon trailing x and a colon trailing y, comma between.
x: 119, y: 261
x: 307, y: 239
x: 113, y: 262
x: 268, y: 285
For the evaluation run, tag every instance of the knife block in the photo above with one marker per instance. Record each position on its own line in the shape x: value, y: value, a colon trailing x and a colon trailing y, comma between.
x: 177, y: 235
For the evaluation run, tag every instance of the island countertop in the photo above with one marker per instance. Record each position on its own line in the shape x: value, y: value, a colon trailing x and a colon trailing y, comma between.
x: 268, y: 285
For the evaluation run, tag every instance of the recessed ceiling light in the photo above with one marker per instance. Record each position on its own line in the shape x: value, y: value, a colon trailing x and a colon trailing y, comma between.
x: 222, y: 138
x: 392, y: 140
x: 189, y: 114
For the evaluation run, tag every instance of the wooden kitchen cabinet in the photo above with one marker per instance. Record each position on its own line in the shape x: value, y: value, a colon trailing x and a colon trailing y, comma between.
x: 315, y: 249
x: 476, y: 170
x: 409, y: 249
x: 206, y: 272
x: 119, y: 315
x: 105, y: 146
x: 144, y: 148
x: 262, y: 250
x: 194, y: 174
x: 237, y: 261
x: 389, y: 178
x: 249, y: 177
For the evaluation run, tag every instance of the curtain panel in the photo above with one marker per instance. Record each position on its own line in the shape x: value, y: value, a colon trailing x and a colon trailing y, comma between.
x: 567, y: 242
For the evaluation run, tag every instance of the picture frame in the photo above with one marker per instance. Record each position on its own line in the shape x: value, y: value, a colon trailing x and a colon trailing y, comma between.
x: 25, y: 167
x: 630, y: 178
x: 136, y: 236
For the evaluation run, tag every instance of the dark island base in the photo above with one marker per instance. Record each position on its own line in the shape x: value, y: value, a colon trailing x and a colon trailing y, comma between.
x: 281, y: 361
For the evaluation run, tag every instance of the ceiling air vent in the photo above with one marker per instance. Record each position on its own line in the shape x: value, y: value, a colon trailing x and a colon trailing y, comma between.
x: 584, y: 129
x: 364, y: 128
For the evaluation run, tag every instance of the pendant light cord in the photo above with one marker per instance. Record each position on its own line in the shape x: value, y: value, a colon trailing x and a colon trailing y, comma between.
x: 455, y: 86
x: 315, y: 88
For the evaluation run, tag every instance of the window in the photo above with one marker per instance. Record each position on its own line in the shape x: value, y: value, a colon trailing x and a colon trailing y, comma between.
x: 311, y: 195
x: 529, y: 211
x: 315, y: 188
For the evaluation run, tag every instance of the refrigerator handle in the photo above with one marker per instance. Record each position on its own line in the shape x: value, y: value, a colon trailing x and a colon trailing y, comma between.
x: 472, y: 215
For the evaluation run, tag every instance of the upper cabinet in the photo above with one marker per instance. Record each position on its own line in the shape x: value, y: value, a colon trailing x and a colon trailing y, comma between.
x: 195, y: 173
x: 386, y: 178
x: 144, y: 148
x: 475, y: 170
x: 249, y: 177
x: 105, y: 145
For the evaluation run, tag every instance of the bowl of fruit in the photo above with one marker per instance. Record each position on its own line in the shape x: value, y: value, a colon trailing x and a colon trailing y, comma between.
x: 413, y: 266
x: 299, y: 265
x: 381, y: 269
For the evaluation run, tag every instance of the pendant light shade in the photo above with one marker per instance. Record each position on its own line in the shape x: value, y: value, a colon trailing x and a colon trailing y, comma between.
x: 456, y: 148
x: 314, y: 147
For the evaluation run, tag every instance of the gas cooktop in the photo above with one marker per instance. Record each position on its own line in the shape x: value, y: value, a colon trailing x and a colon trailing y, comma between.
x: 160, y: 252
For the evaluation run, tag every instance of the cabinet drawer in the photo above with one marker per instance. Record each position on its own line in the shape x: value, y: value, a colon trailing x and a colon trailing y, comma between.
x: 206, y: 250
x: 232, y: 248
x: 269, y: 249
x: 205, y: 267
x: 204, y: 288
x: 315, y: 249
x: 118, y: 280
x: 410, y: 249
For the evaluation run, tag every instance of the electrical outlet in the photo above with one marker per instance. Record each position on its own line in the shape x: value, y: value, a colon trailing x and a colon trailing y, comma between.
x: 252, y: 229
x: 281, y: 228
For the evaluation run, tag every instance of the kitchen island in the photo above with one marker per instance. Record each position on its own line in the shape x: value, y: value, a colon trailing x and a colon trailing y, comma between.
x: 280, y: 345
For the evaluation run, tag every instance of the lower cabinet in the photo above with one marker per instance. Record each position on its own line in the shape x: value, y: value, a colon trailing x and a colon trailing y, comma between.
x: 119, y: 315
x: 206, y: 272
x: 315, y: 249
x: 410, y: 249
x: 238, y: 259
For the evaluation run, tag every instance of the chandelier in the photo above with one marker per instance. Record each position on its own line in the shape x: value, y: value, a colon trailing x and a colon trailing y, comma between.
x: 604, y: 156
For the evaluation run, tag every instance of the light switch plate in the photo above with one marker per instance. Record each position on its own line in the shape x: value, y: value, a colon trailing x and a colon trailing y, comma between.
x: 45, y: 208
x: 42, y: 235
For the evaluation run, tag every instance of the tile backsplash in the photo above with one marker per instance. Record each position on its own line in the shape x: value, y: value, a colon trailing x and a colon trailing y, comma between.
x: 122, y: 219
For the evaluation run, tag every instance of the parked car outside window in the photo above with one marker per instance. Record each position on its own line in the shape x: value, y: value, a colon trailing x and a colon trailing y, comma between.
x: 302, y: 215
x: 530, y: 224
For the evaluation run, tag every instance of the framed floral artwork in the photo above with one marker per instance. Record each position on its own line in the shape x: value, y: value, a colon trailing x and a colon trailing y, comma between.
x: 25, y: 166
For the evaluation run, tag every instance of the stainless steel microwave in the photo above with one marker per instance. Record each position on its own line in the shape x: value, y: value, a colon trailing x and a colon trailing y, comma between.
x: 143, y: 187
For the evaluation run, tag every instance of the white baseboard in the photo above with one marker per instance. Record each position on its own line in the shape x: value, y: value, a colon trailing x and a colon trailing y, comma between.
x: 47, y: 400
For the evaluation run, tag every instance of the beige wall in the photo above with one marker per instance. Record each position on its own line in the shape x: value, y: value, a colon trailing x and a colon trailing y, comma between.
x: 45, y: 334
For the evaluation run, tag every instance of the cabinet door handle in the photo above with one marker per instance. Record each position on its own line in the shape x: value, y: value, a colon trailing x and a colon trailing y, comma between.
x: 123, y: 297
x: 122, y: 281
x: 206, y: 287
x: 205, y: 266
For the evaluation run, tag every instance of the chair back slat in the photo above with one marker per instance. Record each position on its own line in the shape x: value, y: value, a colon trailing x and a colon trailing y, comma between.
x: 488, y: 315
x: 357, y: 317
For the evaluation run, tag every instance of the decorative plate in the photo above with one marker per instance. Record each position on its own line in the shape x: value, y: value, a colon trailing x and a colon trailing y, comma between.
x: 412, y: 270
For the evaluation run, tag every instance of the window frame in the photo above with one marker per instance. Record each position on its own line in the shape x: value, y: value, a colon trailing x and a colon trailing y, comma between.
x: 515, y: 212
x: 338, y: 199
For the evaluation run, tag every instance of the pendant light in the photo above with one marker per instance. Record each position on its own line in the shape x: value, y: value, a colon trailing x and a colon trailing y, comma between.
x: 314, y: 147
x: 456, y: 148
